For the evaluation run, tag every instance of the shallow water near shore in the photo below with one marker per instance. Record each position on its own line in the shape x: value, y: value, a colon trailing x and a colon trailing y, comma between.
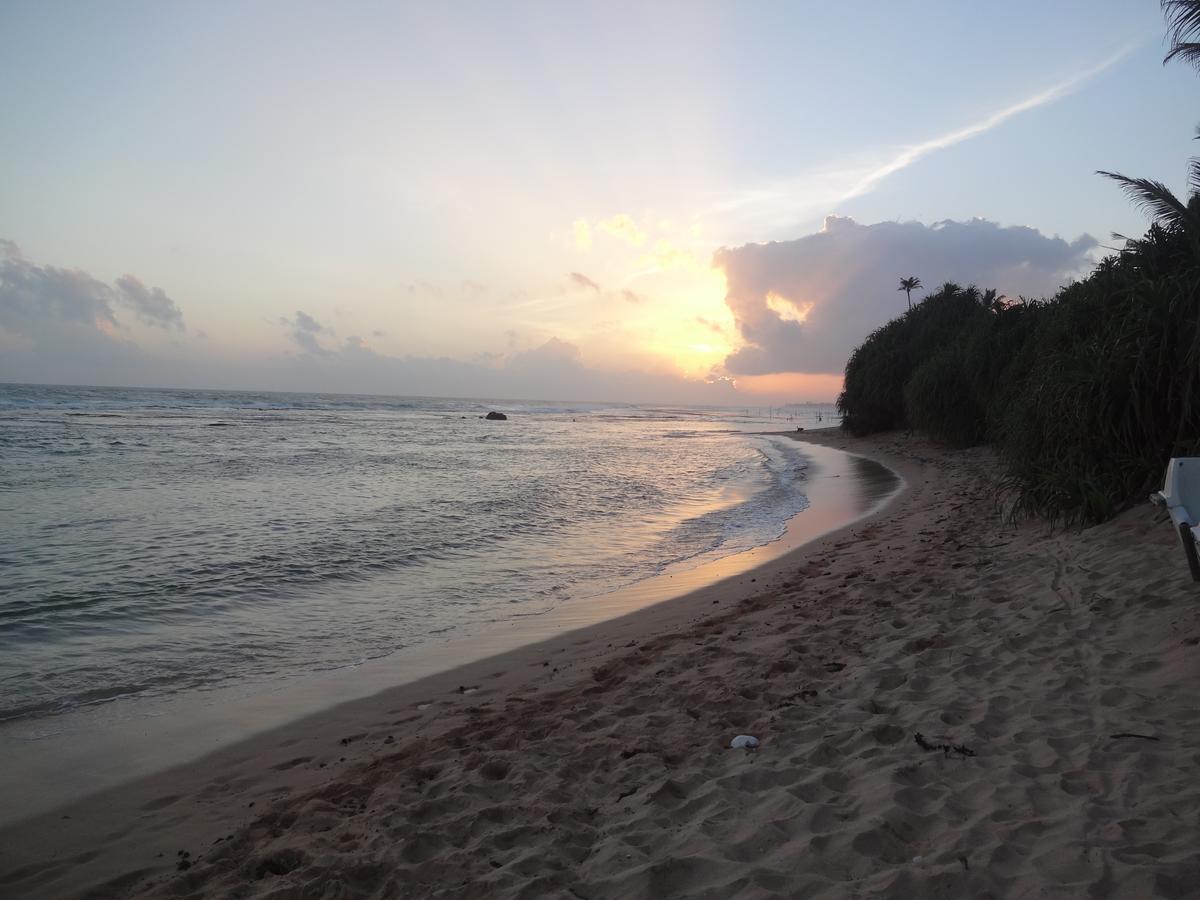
x: 157, y: 543
x: 52, y: 760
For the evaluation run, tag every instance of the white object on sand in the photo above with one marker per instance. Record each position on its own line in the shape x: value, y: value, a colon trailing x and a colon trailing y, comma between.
x: 1180, y: 497
x: 744, y: 740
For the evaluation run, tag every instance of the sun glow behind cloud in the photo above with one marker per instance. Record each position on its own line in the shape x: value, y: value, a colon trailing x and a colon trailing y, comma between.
x: 687, y: 321
x: 789, y: 310
x: 484, y: 194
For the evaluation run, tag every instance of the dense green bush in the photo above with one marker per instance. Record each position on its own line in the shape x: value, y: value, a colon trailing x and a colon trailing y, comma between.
x: 1086, y: 395
x: 879, y: 371
x: 940, y: 399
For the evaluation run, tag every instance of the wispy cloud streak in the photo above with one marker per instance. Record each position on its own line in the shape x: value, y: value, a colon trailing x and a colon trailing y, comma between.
x: 911, y: 154
x: 819, y: 190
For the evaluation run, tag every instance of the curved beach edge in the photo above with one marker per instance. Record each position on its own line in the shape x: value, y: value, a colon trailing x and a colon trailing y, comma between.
x: 59, y: 761
x: 945, y: 704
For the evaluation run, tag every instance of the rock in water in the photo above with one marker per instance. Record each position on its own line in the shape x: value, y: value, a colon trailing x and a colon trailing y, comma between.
x: 495, y: 415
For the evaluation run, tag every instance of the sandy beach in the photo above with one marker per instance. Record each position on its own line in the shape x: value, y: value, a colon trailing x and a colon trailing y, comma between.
x: 948, y: 706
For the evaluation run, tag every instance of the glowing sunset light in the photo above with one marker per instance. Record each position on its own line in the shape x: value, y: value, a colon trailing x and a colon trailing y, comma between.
x: 801, y: 388
x: 481, y: 213
x: 788, y: 309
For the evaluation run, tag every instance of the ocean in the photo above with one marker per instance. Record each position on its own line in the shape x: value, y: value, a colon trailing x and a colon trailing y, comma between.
x: 156, y: 543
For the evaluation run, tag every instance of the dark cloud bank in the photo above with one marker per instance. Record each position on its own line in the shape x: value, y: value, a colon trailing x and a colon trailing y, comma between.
x: 849, y: 273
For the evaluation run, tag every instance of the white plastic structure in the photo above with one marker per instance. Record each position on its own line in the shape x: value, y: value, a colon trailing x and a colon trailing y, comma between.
x: 1180, y: 497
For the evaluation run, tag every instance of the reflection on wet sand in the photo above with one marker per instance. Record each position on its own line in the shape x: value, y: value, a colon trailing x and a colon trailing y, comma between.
x: 841, y: 489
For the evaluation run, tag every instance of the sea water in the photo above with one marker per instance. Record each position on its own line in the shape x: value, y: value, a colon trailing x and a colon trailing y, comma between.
x: 161, y: 542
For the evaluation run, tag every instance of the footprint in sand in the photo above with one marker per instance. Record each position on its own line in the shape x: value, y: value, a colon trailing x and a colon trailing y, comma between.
x: 160, y: 803
x: 292, y: 763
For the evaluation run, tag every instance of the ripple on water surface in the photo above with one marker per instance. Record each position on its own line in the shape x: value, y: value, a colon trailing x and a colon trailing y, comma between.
x: 146, y: 551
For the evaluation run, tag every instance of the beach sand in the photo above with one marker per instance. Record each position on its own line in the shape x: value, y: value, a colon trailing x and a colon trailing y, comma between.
x: 1059, y: 669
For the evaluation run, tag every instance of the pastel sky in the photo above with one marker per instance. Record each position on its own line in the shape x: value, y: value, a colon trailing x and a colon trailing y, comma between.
x: 692, y: 202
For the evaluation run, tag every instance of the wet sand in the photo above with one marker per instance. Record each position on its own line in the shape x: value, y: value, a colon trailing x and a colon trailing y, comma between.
x: 48, y: 763
x: 1050, y: 678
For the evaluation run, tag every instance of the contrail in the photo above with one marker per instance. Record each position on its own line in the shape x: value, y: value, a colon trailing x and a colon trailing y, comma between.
x: 910, y: 155
x: 821, y: 190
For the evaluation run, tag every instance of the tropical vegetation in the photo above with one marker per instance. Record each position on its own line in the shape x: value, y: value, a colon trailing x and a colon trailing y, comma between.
x: 1085, y: 395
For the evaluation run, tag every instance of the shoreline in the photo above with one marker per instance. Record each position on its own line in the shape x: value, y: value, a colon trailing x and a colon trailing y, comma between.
x: 94, y: 750
x: 606, y: 750
x: 58, y: 761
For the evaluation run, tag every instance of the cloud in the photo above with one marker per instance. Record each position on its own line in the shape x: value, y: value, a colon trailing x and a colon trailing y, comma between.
x: 305, y: 322
x: 32, y: 296
x: 63, y: 326
x: 622, y: 227
x: 579, y: 280
x: 826, y: 187
x: 631, y: 297
x: 910, y: 155
x: 151, y: 305
x: 304, y: 330
x: 60, y: 326
x: 802, y: 305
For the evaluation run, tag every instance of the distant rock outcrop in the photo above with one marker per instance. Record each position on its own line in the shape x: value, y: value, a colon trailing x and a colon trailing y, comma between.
x: 496, y: 415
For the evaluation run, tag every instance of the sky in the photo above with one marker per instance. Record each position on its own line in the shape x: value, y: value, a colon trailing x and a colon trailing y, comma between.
x: 658, y: 202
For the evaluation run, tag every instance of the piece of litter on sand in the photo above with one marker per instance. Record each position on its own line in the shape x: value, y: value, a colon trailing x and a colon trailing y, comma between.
x: 748, y: 741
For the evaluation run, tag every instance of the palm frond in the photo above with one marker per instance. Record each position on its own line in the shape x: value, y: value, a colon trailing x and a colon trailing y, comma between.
x: 1183, y: 18
x: 1194, y: 175
x: 1183, y: 27
x: 1189, y: 53
x: 1152, y: 196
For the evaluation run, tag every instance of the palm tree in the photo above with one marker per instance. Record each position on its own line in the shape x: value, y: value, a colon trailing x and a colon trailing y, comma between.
x: 1167, y: 210
x: 908, y: 285
x: 1161, y: 203
x: 1183, y: 22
